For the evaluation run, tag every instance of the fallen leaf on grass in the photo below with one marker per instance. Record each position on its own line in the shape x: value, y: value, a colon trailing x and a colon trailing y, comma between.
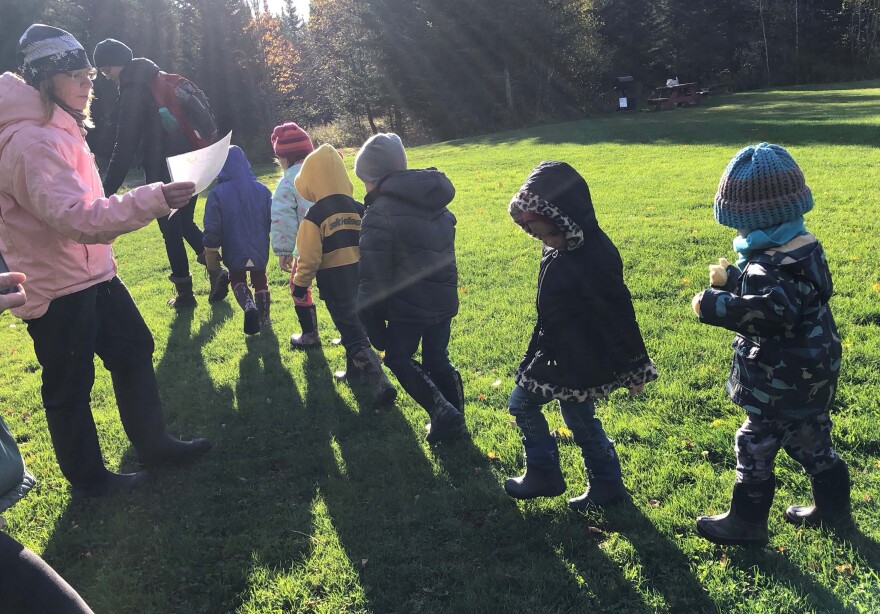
x: 563, y: 435
x: 867, y: 498
x: 687, y: 443
x: 876, y: 287
x: 481, y: 397
x: 492, y: 455
x: 496, y: 383
x: 654, y: 502
x: 845, y: 570
x: 722, y: 562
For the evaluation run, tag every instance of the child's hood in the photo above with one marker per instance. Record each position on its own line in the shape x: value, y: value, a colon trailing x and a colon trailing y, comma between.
x: 555, y: 190
x: 323, y: 174
x: 236, y: 166
x: 427, y: 189
x: 803, y: 257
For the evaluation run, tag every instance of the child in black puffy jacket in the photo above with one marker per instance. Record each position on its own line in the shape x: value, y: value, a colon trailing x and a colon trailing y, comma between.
x: 586, y: 342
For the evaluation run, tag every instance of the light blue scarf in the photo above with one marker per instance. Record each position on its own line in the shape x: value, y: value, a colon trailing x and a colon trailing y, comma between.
x: 761, y: 239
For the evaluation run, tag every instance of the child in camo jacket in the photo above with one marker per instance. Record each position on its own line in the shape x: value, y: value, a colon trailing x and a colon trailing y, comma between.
x: 786, y: 351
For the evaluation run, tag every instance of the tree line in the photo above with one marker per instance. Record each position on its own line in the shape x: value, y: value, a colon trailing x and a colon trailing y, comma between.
x: 440, y: 70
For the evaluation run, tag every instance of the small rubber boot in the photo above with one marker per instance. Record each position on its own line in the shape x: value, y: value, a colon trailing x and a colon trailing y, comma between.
x: 447, y: 423
x: 543, y: 477
x: 368, y: 363
x: 831, y: 505
x: 140, y: 409
x: 75, y: 440
x: 185, y: 298
x: 600, y: 493
x: 219, y: 281
x: 264, y: 304
x: 451, y: 387
x: 251, y: 313
x: 308, y: 320
x: 745, y: 523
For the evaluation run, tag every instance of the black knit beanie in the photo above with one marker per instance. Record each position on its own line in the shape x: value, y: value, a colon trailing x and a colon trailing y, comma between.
x: 110, y: 52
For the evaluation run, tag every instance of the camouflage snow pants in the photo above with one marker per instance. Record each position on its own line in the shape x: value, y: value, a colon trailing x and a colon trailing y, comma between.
x: 759, y: 438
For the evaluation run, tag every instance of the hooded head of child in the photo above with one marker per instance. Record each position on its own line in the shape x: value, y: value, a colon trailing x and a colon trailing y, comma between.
x: 381, y: 155
x: 554, y: 205
x: 323, y: 174
x: 761, y: 188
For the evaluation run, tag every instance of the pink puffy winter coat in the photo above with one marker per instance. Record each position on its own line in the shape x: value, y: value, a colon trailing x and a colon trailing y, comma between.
x: 55, y: 224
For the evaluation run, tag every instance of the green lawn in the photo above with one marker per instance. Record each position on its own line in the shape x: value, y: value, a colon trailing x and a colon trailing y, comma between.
x: 311, y: 503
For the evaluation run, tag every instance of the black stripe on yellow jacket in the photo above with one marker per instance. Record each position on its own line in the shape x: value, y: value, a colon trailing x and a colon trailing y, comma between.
x: 327, y: 242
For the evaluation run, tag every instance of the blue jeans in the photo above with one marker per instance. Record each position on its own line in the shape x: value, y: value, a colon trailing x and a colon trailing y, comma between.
x: 419, y: 379
x: 600, y: 457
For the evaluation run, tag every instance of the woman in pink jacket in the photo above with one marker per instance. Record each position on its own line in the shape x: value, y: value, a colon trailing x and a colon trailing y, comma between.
x: 56, y: 227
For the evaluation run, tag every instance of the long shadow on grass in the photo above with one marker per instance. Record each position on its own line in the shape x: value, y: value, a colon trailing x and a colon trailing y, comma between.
x: 430, y: 530
x: 665, y: 568
x: 780, y: 571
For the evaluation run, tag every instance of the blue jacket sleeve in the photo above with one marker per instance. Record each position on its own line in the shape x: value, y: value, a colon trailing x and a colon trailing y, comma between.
x: 213, y: 220
x: 769, y: 303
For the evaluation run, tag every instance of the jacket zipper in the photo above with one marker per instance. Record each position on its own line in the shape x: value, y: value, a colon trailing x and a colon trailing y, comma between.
x: 541, y: 283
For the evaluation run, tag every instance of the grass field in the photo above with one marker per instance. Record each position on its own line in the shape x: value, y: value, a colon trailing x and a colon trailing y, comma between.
x: 310, y: 502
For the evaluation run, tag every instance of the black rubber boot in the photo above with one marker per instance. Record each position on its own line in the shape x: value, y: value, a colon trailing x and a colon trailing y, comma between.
x: 185, y: 298
x: 745, y: 523
x: 831, y: 503
x: 219, y: 281
x: 264, y: 305
x: 543, y: 477
x: 140, y: 409
x: 451, y: 387
x: 308, y: 320
x: 600, y: 493
x: 368, y: 363
x: 353, y: 374
x: 447, y: 423
x: 75, y: 440
x: 251, y: 313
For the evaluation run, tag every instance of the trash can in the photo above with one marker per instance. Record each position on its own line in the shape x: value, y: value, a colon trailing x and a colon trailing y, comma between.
x: 624, y: 88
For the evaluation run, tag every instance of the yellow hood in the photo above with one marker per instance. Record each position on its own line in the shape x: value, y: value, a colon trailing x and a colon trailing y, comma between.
x: 323, y: 174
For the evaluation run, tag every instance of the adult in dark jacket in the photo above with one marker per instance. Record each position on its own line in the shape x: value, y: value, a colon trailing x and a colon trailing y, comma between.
x: 140, y: 135
x: 408, y: 290
x: 586, y: 342
x: 238, y: 217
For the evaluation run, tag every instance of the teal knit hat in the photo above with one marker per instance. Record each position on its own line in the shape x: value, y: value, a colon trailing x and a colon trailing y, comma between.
x: 761, y: 187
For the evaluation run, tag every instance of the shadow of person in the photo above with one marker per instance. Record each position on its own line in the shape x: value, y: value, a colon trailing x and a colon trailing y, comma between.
x: 778, y: 570
x: 428, y: 528
x: 663, y: 566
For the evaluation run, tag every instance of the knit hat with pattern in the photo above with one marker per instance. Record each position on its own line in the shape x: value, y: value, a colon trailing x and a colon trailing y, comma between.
x: 761, y: 187
x: 46, y: 51
x: 111, y: 52
x: 291, y: 142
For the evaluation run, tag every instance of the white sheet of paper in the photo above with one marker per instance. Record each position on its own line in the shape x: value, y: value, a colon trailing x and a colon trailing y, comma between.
x: 202, y: 165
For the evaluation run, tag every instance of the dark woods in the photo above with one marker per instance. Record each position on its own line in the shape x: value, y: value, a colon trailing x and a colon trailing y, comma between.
x: 438, y: 70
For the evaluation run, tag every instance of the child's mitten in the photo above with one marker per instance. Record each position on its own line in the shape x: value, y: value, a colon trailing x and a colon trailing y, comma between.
x: 718, y: 273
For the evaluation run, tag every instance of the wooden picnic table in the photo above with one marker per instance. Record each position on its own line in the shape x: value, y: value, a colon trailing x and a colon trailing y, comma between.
x: 671, y: 96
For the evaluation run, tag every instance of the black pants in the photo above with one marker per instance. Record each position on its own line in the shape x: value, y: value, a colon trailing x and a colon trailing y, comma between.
x: 102, y: 320
x: 344, y: 314
x: 419, y: 380
x: 29, y: 585
x: 175, y: 230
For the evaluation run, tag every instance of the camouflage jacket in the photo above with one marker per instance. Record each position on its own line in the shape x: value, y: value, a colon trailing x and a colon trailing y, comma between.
x: 787, y: 351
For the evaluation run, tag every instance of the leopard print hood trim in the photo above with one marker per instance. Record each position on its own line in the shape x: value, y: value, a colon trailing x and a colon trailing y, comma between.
x: 527, y: 201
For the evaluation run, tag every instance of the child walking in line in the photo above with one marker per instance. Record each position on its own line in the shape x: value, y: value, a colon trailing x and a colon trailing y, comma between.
x: 786, y: 352
x: 237, y: 219
x: 408, y: 278
x: 327, y: 243
x: 291, y: 145
x: 585, y: 344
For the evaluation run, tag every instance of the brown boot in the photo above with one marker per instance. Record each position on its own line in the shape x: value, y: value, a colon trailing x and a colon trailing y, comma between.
x: 185, y: 297
x: 219, y: 281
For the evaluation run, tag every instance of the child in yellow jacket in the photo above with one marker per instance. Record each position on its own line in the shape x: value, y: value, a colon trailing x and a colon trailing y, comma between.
x: 327, y: 244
